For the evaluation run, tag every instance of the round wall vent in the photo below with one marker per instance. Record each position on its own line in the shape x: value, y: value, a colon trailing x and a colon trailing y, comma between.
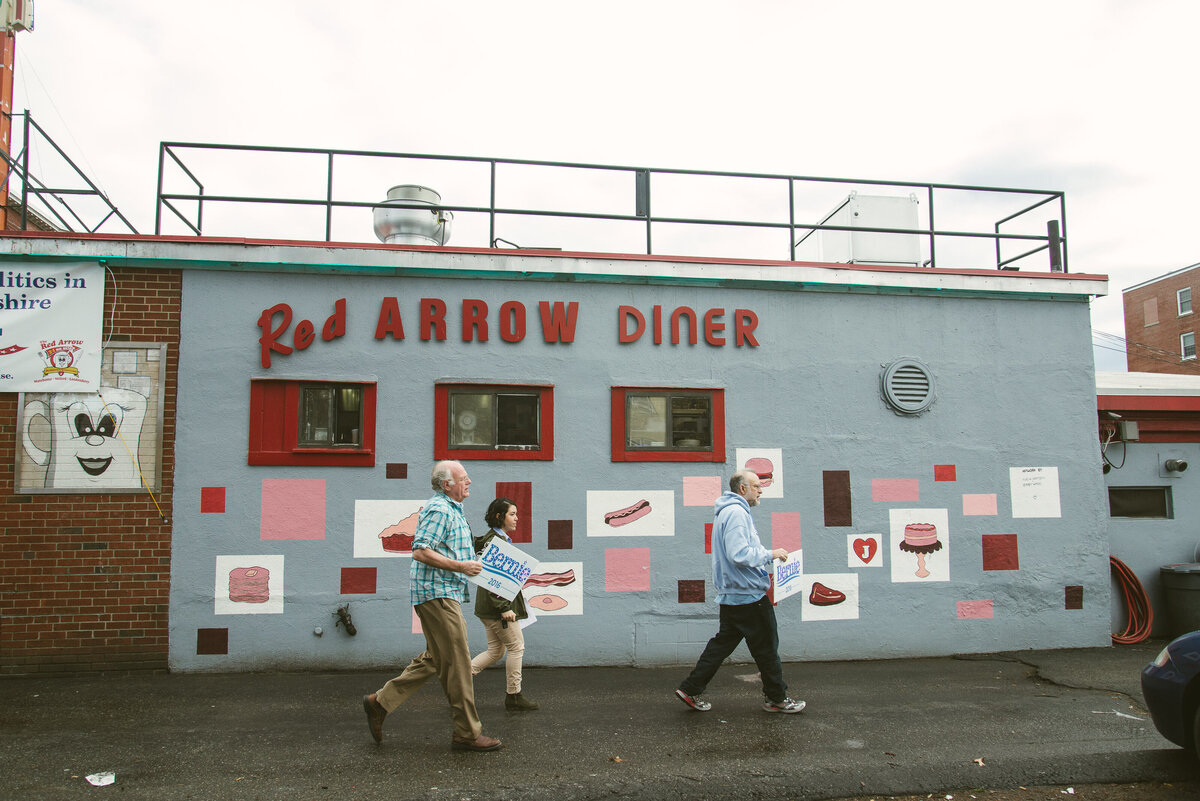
x: 907, y: 386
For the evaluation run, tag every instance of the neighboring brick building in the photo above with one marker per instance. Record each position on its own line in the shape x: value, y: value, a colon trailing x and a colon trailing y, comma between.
x: 86, y: 578
x: 1160, y: 326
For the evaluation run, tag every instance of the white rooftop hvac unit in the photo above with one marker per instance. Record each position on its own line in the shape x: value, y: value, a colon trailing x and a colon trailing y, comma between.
x: 866, y: 247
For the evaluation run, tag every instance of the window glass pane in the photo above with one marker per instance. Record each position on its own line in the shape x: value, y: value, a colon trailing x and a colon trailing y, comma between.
x: 646, y: 421
x: 691, y: 421
x: 1139, y: 502
x: 1185, y: 300
x: 348, y: 424
x: 517, y: 421
x: 316, y: 415
x: 471, y: 420
x: 1187, y: 344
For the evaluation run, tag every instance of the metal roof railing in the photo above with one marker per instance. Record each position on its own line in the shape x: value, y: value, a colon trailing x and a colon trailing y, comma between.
x: 62, y: 203
x: 1023, y: 222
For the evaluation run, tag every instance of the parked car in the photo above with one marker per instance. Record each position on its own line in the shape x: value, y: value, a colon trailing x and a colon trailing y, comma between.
x: 1171, y: 687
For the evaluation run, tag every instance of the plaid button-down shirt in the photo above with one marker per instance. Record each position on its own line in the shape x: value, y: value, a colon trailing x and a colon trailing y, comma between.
x: 442, y: 528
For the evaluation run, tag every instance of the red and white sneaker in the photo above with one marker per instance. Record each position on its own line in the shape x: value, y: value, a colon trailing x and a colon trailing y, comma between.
x: 694, y: 701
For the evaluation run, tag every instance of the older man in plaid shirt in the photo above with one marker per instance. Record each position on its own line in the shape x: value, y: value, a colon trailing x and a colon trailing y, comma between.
x: 442, y: 558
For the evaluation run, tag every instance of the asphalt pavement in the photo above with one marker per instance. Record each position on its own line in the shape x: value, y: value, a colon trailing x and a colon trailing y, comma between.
x: 871, y: 727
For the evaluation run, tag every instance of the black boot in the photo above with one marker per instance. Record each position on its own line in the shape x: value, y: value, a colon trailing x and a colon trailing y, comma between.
x: 515, y: 702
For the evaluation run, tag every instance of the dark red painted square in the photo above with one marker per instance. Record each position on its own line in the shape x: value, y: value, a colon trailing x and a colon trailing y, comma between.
x: 559, y: 535
x: 396, y: 470
x: 944, y: 472
x: 1074, y: 596
x: 212, y: 641
x: 1000, y: 552
x: 708, y: 537
x: 836, y: 489
x: 212, y: 500
x: 691, y: 591
x: 520, y: 493
x: 358, y: 580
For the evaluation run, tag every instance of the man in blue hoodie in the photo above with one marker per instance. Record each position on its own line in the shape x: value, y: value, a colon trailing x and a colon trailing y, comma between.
x: 742, y: 575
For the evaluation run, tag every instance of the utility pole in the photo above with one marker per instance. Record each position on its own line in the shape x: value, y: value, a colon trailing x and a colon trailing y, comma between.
x: 15, y: 15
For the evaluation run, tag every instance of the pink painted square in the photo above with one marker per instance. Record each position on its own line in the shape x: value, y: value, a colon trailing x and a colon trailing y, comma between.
x: 895, y: 489
x: 416, y: 624
x: 626, y: 569
x: 701, y: 490
x: 212, y: 500
x: 293, y: 509
x: 785, y: 530
x: 979, y: 504
x: 944, y: 472
x: 974, y: 610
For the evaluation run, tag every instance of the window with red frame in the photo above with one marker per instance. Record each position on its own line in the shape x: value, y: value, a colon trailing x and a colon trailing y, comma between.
x: 493, y: 421
x: 658, y: 424
x: 326, y: 423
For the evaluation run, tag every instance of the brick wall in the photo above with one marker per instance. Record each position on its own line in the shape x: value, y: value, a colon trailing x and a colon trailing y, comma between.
x: 85, y: 579
x: 1155, y: 348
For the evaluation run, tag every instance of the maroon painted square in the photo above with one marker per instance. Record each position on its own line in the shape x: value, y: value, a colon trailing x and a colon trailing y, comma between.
x: 212, y: 641
x: 1074, y: 596
x: 944, y: 472
x: 396, y: 470
x: 836, y: 490
x: 212, y: 500
x: 520, y: 493
x: 1000, y: 552
x: 559, y: 535
x: 358, y: 580
x: 691, y: 591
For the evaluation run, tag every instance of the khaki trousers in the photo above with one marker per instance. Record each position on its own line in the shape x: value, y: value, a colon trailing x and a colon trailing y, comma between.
x: 446, y: 656
x: 500, y: 639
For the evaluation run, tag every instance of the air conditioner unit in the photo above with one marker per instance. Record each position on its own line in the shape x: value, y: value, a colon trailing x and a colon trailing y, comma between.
x: 866, y: 247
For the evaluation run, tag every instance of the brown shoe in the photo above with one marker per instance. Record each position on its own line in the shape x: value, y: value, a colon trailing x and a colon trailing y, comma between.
x: 480, y: 743
x: 375, y: 715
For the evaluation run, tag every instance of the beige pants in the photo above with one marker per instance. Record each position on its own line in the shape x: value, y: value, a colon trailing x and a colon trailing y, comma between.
x: 446, y: 656
x: 500, y: 639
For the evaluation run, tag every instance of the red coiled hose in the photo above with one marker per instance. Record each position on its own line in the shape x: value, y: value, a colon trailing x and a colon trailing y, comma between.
x: 1141, y: 614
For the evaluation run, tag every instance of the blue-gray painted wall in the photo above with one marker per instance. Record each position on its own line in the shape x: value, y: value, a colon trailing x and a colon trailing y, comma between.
x: 1015, y: 388
x: 1146, y: 544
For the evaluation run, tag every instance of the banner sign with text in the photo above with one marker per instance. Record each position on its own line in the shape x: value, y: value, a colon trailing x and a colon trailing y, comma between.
x: 51, y: 327
x: 789, y: 576
x: 505, y: 569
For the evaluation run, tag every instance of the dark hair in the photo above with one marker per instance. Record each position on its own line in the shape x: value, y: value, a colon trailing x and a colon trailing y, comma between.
x: 496, y: 512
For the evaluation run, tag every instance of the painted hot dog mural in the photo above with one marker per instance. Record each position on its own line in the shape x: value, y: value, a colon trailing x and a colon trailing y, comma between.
x: 630, y: 513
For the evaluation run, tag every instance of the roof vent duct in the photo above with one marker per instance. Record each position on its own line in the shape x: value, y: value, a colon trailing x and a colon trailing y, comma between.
x: 410, y: 216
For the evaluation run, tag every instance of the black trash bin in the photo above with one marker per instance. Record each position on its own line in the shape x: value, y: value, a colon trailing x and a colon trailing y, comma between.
x: 1181, y: 586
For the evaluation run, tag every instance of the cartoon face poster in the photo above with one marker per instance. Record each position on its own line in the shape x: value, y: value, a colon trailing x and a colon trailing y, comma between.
x: 105, y: 441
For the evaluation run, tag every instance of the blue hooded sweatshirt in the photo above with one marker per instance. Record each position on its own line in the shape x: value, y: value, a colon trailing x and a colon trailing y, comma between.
x: 741, y: 565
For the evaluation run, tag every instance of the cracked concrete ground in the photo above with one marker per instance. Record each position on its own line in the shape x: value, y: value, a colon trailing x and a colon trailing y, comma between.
x: 872, y: 729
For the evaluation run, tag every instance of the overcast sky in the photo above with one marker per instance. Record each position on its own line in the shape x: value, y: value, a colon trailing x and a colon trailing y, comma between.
x: 1092, y: 97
